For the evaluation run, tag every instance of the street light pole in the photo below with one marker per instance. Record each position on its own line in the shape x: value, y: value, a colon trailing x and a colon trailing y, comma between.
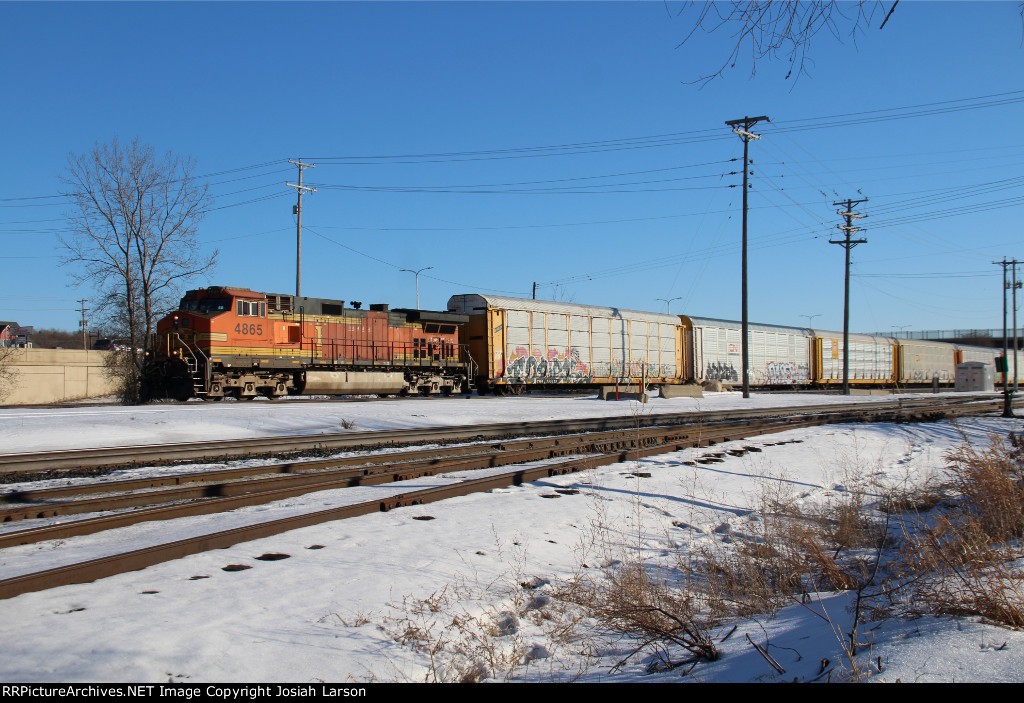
x: 810, y: 319
x: 417, y: 275
x: 668, y: 303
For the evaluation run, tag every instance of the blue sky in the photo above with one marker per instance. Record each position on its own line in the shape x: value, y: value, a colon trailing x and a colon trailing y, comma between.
x: 643, y: 212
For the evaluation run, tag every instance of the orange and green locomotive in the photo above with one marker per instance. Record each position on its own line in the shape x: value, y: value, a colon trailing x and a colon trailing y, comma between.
x: 235, y: 342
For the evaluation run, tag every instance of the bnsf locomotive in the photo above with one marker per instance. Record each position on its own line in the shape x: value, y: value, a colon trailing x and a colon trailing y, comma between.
x: 235, y: 342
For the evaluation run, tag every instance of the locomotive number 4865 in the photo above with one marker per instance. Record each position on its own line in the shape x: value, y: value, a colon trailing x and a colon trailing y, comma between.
x: 248, y: 328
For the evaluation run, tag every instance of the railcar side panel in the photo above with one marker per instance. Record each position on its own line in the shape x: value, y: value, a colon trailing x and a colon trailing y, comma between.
x: 778, y: 356
x: 542, y: 343
x: 872, y: 359
x: 922, y: 362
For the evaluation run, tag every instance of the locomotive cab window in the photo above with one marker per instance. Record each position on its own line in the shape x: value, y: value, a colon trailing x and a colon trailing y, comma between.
x: 212, y: 305
x: 250, y: 308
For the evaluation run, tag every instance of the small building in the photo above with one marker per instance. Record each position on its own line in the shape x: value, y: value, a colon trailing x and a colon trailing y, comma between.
x: 9, y: 333
x: 975, y: 376
x: 14, y: 335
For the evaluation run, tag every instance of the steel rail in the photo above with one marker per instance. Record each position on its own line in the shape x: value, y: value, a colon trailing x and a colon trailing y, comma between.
x: 425, y: 456
x: 142, y: 455
x: 41, y: 503
x: 138, y: 559
x: 135, y: 560
x: 226, y: 496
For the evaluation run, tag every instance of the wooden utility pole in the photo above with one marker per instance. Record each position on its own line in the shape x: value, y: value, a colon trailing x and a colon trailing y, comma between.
x: 847, y: 243
x: 84, y: 325
x: 297, y: 211
x: 742, y: 128
x: 1016, y: 337
x: 1007, y: 285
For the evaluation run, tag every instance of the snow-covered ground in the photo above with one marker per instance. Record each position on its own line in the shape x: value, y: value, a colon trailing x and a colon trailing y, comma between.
x: 28, y: 430
x: 373, y: 598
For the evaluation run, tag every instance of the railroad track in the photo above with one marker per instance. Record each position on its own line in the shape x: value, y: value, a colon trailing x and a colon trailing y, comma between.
x: 21, y: 466
x: 161, y: 498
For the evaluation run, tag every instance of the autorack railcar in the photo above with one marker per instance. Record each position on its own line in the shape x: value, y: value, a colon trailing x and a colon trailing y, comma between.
x: 922, y: 362
x: 872, y: 359
x: 777, y: 356
x: 521, y: 344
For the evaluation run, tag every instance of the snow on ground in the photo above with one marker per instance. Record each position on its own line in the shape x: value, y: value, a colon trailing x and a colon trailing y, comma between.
x: 354, y: 598
x: 29, y: 430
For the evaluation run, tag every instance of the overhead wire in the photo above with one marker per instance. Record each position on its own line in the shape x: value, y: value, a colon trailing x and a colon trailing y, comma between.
x: 396, y: 266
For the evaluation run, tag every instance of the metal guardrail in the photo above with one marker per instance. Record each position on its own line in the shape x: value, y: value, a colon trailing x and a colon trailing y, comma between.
x: 939, y: 335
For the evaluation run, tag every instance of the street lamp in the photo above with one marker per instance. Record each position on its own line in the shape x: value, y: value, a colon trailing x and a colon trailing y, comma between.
x: 668, y: 303
x: 900, y: 328
x: 417, y: 275
x: 810, y: 319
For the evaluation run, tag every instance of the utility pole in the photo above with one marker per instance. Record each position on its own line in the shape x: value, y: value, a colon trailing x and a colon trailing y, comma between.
x: 535, y: 290
x: 742, y: 128
x: 1007, y: 285
x: 668, y: 303
x: 848, y: 229
x: 297, y: 211
x: 1016, y: 338
x: 84, y: 325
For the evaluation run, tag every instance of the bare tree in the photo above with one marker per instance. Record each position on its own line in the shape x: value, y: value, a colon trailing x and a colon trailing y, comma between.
x: 132, y: 233
x: 772, y: 29
x: 7, y: 373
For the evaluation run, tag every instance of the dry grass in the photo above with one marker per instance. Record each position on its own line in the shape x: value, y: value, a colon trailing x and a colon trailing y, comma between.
x: 952, y: 549
x: 780, y: 553
x: 965, y: 559
x: 650, y: 608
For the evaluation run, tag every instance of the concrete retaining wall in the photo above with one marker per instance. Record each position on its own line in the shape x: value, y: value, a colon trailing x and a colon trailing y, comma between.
x: 55, y: 375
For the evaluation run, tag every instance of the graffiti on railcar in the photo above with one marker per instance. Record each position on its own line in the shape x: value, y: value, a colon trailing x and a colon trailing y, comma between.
x: 632, y: 369
x: 928, y: 376
x: 784, y: 372
x: 558, y: 367
x: 720, y: 372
